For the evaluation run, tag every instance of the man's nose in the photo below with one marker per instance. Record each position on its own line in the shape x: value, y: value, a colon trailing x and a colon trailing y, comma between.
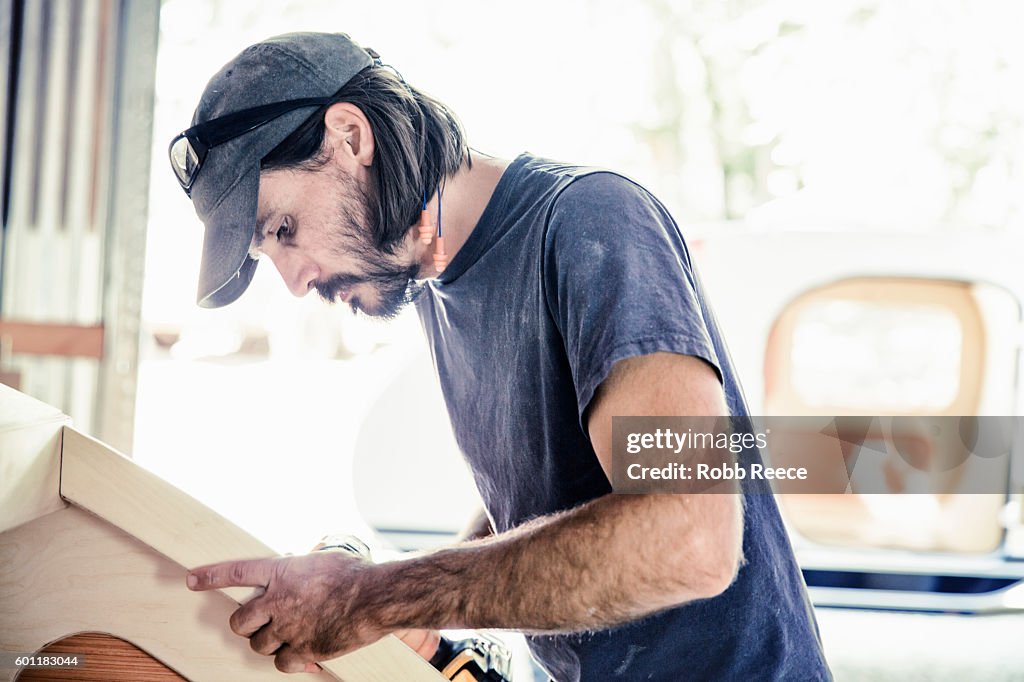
x: 298, y: 273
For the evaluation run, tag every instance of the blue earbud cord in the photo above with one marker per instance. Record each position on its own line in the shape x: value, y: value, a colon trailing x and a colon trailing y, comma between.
x: 440, y: 195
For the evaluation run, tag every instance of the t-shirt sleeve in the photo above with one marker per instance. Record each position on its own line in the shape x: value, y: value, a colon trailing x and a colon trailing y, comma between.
x: 619, y: 281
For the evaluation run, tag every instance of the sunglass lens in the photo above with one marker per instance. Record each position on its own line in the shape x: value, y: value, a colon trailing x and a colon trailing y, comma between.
x: 184, y: 160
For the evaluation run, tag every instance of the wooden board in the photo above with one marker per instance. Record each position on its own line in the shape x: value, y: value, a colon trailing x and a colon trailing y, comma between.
x: 30, y: 433
x: 71, y: 572
x: 189, y: 534
x: 41, y: 338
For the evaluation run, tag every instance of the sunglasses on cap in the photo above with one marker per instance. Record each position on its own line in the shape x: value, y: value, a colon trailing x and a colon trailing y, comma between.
x: 189, y: 149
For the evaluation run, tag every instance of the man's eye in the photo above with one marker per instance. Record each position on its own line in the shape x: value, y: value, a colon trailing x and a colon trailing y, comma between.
x: 284, y: 231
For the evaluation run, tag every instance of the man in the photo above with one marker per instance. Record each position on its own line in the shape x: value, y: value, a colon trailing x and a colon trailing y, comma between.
x: 561, y: 296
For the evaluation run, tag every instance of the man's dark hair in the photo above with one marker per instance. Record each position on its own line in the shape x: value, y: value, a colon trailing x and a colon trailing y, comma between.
x: 418, y: 142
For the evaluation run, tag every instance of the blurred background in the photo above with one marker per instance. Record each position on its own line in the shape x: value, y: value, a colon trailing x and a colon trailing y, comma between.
x: 849, y: 177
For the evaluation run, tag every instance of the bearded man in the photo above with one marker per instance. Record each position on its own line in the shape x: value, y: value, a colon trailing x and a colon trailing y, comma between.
x: 554, y: 297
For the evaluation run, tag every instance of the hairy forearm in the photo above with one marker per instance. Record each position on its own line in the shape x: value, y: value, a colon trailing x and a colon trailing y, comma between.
x: 612, y: 560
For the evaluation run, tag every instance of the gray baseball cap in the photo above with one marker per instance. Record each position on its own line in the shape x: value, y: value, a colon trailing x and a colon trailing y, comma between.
x: 225, y: 189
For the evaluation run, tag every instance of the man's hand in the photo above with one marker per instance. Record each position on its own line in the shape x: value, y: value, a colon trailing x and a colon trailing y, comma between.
x: 309, y: 610
x: 423, y: 642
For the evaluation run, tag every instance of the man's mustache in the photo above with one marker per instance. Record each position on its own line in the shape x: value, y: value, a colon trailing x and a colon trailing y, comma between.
x: 330, y: 288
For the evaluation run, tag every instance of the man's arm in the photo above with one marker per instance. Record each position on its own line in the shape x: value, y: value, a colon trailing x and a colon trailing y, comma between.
x: 614, y: 559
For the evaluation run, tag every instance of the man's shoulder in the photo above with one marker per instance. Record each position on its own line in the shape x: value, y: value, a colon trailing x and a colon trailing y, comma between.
x: 574, y: 184
x: 603, y: 191
x: 601, y: 204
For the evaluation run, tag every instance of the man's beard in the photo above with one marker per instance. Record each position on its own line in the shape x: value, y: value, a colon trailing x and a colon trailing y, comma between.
x: 391, y: 278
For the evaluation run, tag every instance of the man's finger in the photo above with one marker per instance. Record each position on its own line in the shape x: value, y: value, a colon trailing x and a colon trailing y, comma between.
x: 428, y: 647
x: 251, y: 573
x: 265, y: 641
x: 249, y: 618
x: 288, y: 660
x: 423, y: 642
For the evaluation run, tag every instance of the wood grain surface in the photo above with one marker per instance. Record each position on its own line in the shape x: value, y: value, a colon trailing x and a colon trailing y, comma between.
x: 109, y: 659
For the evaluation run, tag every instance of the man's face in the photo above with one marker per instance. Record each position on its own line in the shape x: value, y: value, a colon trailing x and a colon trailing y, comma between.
x: 316, y: 228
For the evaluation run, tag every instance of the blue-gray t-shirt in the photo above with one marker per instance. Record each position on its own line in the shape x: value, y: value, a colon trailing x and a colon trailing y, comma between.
x: 568, y: 271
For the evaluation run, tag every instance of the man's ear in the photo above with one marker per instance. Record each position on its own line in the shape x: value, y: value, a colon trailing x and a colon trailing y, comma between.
x: 349, y: 134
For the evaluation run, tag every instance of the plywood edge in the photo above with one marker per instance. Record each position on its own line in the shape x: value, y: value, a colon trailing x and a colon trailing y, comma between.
x: 108, y: 484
